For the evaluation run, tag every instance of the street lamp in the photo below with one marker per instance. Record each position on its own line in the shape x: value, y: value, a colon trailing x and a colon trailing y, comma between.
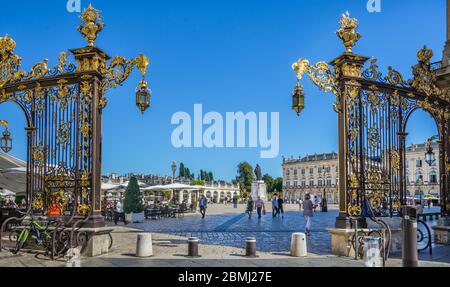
x: 174, y: 169
x: 430, y: 157
x: 6, y: 139
x: 419, y: 183
x: 324, y: 196
x: 298, y: 99
x: 143, y: 94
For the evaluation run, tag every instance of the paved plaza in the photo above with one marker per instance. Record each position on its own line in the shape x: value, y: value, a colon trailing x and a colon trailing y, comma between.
x: 222, y: 234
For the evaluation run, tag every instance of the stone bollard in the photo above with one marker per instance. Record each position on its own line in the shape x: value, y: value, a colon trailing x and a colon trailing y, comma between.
x: 372, y: 252
x: 144, y: 247
x: 250, y: 247
x: 193, y: 247
x: 298, y: 245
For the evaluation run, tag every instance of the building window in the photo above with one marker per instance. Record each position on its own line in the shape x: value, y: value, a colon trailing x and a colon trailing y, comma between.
x: 311, y: 182
x: 295, y: 183
x: 311, y: 170
x: 319, y: 170
x: 295, y: 171
x: 288, y: 183
x: 329, y: 182
x: 303, y: 183
x: 419, y: 176
x: 303, y: 171
x: 319, y: 182
x: 433, y: 177
x: 419, y: 163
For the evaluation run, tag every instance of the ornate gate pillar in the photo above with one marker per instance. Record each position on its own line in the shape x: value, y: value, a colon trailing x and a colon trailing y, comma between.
x: 348, y: 67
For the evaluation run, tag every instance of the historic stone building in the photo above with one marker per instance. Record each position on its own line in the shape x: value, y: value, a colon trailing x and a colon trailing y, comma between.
x: 421, y: 178
x: 318, y: 173
x: 312, y: 173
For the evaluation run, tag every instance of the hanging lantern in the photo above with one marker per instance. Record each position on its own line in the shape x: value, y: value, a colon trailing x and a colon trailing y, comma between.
x: 6, y: 141
x: 298, y: 99
x: 430, y: 157
x: 143, y: 95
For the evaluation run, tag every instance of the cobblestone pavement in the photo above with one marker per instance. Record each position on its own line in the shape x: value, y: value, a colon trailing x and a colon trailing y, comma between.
x: 223, y: 232
x: 232, y: 226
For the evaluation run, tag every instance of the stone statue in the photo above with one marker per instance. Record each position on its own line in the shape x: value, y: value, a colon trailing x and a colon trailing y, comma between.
x: 258, y: 172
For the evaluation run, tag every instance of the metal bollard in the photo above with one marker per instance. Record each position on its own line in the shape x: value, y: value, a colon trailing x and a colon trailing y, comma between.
x: 250, y: 247
x: 193, y: 247
x: 409, y: 251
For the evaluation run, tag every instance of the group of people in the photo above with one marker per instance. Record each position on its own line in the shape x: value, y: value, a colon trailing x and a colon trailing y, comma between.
x: 308, y: 205
x: 115, y: 211
x: 258, y: 204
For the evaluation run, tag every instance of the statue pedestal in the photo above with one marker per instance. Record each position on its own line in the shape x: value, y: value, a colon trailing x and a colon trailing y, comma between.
x: 259, y: 189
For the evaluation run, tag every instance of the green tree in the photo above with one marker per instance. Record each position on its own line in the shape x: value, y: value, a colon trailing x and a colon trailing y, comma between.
x: 245, y: 177
x: 268, y: 180
x: 133, y: 198
x: 210, y: 176
x: 187, y: 172
x: 182, y: 170
x: 198, y: 182
x: 277, y: 185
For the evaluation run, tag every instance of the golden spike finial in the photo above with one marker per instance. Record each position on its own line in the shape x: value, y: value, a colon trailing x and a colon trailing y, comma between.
x: 347, y: 31
x: 92, y: 24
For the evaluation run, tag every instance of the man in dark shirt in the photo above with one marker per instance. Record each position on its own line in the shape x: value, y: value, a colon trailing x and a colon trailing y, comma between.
x: 280, y: 206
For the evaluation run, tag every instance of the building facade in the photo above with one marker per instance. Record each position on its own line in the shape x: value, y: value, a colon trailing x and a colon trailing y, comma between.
x: 216, y: 192
x: 318, y: 173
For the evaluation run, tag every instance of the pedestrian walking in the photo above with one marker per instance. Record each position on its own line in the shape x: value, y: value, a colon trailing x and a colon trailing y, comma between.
x: 280, y: 206
x: 308, y: 208
x: 235, y: 201
x: 315, y: 202
x: 259, y: 204
x: 203, y: 203
x: 275, y: 207
x: 250, y: 206
x: 300, y: 204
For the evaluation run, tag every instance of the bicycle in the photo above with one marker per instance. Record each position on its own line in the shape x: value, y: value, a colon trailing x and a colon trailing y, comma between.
x: 42, y: 236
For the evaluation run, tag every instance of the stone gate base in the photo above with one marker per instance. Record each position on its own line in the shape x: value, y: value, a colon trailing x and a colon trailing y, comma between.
x: 98, y: 241
x: 341, y: 238
x: 442, y: 231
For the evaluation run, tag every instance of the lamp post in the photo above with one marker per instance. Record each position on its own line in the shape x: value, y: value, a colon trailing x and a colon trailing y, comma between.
x: 6, y: 139
x: 324, y: 196
x: 419, y: 183
x: 174, y: 169
x: 430, y: 157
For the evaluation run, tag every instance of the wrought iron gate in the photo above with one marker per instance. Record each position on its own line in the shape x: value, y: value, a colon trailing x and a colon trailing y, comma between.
x: 63, y: 108
x: 373, y: 111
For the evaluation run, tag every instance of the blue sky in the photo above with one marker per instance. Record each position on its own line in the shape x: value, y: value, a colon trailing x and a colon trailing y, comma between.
x: 230, y: 56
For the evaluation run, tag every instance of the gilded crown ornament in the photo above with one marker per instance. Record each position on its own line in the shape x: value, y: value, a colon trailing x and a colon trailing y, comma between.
x: 425, y: 54
x: 347, y: 32
x: 7, y: 45
x: 92, y: 24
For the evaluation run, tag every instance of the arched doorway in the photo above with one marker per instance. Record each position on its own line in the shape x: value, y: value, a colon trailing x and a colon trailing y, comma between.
x: 422, y: 158
x: 13, y: 165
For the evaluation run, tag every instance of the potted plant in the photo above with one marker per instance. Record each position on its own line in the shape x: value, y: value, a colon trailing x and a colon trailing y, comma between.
x: 133, y: 207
